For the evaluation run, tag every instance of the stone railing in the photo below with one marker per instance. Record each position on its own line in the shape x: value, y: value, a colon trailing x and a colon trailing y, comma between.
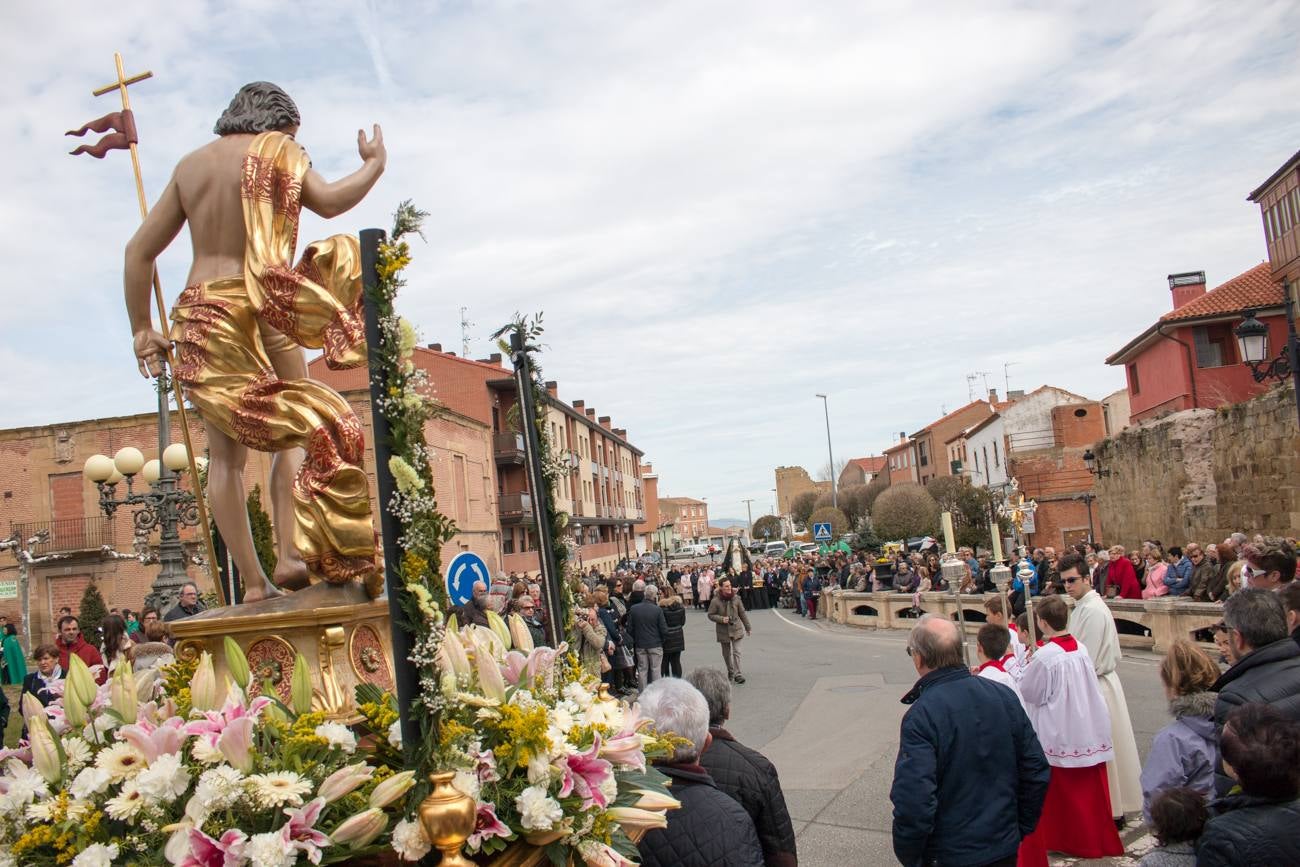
x: 1142, y: 624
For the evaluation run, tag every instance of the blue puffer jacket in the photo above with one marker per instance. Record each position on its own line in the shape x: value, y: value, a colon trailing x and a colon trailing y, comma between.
x: 1183, y: 752
x: 970, y: 778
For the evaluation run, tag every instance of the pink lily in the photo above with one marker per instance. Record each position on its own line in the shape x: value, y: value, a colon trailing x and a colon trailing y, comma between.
x: 514, y: 666
x: 486, y: 766
x: 625, y: 750
x: 542, y: 662
x: 154, y: 741
x: 486, y: 826
x: 584, y: 773
x: 300, y: 832
x: 601, y: 855
x: 206, y: 852
x: 214, y: 722
x: 632, y: 719
x: 236, y: 743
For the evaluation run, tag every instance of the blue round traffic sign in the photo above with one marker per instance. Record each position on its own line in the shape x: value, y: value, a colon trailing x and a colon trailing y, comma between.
x: 465, y: 568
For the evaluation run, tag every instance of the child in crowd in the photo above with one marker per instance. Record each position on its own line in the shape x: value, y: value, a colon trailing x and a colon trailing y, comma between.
x: 1178, y: 816
x: 995, y: 613
x: 992, y: 646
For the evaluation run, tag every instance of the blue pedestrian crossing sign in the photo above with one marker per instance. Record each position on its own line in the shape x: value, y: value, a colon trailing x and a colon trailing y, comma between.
x: 465, y: 568
x: 822, y: 532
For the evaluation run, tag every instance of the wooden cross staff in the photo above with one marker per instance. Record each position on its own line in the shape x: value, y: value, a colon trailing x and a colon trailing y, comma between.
x: 124, y: 124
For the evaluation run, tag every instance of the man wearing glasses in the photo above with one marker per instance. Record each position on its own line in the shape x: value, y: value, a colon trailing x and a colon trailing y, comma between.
x: 1092, y: 624
x: 1204, y: 571
x: 187, y: 606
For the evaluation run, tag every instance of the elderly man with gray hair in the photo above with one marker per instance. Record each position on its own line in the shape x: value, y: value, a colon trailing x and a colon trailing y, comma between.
x: 649, y: 628
x: 710, y: 829
x: 971, y: 777
x: 745, y: 774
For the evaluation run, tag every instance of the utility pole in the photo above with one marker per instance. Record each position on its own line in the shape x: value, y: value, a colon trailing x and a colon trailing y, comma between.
x: 835, y: 500
x: 1006, y: 378
x: 465, y: 326
x: 749, y: 510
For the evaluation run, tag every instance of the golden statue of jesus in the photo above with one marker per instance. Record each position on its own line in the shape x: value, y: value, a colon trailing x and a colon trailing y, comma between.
x: 240, y: 327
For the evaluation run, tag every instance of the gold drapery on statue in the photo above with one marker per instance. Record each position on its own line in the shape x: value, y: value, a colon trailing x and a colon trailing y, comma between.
x: 220, y: 332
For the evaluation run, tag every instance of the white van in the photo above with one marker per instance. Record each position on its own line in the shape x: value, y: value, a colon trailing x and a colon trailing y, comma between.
x: 774, y: 549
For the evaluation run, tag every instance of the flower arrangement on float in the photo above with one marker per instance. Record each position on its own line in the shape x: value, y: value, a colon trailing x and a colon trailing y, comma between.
x: 169, y: 767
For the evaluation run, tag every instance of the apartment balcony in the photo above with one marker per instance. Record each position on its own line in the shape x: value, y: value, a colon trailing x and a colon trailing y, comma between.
x: 515, y: 508
x: 508, y: 448
x: 67, y: 535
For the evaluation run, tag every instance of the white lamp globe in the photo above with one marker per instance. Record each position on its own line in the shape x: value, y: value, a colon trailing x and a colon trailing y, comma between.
x: 129, y: 460
x: 114, y: 478
x: 176, y: 458
x: 152, y: 470
x: 98, y: 468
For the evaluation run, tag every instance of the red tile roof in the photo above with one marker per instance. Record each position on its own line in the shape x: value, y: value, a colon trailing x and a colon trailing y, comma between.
x: 954, y: 414
x: 872, y: 464
x: 1254, y: 288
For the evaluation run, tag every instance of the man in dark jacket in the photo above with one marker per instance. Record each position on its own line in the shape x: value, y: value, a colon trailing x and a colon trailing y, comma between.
x: 745, y: 774
x: 475, y: 610
x: 710, y: 829
x: 646, y: 622
x: 1257, y: 824
x: 1265, y: 663
x: 1204, y: 571
x: 962, y: 798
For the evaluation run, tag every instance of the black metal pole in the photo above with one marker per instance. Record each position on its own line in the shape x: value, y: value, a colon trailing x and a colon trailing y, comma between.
x: 537, y: 482
x: 407, y: 687
x: 1087, y: 501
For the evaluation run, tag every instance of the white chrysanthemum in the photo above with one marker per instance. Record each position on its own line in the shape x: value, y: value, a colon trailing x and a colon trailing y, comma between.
x: 91, y: 781
x: 217, y: 789
x: 78, y: 754
x: 604, y: 713
x: 78, y: 809
x: 96, y: 855
x: 578, y: 694
x: 409, y: 842
x: 206, y: 753
x: 539, y: 771
x: 25, y: 786
x: 164, y: 780
x: 395, y: 734
x: 562, y: 716
x: 279, y: 788
x: 466, y: 782
x: 538, y: 811
x: 41, y: 811
x: 268, y: 850
x: 609, y: 788
x: 126, y: 805
x: 338, y: 735
x: 121, y: 760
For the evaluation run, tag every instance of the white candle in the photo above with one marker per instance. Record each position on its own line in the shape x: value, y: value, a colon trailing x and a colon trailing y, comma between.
x: 947, y: 533
x: 997, y: 543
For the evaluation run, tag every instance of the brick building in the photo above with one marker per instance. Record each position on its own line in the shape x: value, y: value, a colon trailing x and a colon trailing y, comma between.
x: 1188, y: 359
x: 861, y: 471
x: 793, y: 481
x: 1051, y: 471
x: 650, y: 532
x: 689, y: 517
x: 900, y: 461
x: 929, y: 443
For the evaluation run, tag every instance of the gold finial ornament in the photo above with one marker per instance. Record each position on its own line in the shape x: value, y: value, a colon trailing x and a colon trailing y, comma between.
x: 447, y: 817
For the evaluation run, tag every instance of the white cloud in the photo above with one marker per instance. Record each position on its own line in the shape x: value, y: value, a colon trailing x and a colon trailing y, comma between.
x: 721, y: 207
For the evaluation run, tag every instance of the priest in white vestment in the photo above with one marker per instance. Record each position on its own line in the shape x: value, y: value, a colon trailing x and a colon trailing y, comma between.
x: 1092, y: 624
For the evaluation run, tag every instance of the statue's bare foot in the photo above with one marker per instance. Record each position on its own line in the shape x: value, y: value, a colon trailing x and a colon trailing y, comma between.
x: 255, y: 592
x: 291, y: 573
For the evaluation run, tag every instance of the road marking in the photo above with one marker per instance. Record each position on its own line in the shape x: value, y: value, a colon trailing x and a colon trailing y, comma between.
x: 778, y: 613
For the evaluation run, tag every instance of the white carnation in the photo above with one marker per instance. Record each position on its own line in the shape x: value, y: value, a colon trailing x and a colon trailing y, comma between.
x: 96, y: 855
x: 268, y: 850
x: 395, y: 734
x: 91, y: 781
x: 537, y: 810
x: 408, y: 841
x: 578, y: 694
x: 338, y: 735
x: 164, y: 780
x: 467, y: 783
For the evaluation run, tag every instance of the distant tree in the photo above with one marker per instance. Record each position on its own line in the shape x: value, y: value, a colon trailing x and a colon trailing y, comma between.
x: 834, y: 517
x: 767, y: 527
x: 864, y: 536
x: 831, y: 472
x: 260, y: 523
x: 853, y: 503
x: 92, y: 612
x: 905, y: 511
x: 802, y: 506
x: 875, y: 488
x: 971, y: 508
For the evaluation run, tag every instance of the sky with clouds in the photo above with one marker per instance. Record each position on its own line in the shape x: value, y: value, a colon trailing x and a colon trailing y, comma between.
x: 721, y: 208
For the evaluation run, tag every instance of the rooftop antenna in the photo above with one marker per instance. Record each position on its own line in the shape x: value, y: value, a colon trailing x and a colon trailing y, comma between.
x: 970, y: 383
x: 465, y: 326
x: 1006, y: 376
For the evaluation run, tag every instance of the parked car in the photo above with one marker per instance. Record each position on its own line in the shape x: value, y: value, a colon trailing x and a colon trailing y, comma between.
x: 687, y: 552
x: 774, y: 549
x: 807, y: 547
x: 651, y: 558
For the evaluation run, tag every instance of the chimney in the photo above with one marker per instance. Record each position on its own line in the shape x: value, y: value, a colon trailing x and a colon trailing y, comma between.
x: 621, y: 433
x: 591, y: 412
x: 436, y: 347
x: 495, y: 358
x: 993, y: 395
x: 1015, y: 394
x: 605, y: 421
x: 578, y: 405
x: 902, y: 436
x: 553, y: 388
x: 1186, y: 287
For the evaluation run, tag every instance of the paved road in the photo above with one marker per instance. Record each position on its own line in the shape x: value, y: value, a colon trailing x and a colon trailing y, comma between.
x: 821, y: 701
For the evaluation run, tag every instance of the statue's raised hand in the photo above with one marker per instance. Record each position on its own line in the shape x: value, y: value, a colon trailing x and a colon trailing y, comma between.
x: 150, y: 352
x: 373, y: 148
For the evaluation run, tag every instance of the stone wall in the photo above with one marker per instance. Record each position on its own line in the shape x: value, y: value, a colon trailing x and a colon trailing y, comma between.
x: 1201, y: 474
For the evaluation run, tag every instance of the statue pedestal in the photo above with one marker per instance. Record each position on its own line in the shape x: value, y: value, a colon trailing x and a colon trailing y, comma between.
x: 343, y: 635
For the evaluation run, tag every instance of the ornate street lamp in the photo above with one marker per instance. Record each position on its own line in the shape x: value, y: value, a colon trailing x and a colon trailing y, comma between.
x: 1094, y: 466
x: 1252, y: 343
x: 161, y: 505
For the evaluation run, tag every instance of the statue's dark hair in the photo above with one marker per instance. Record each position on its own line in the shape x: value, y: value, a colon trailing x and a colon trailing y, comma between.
x: 259, y: 106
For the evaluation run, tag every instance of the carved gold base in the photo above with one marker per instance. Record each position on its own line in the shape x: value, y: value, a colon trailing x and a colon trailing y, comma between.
x: 343, y: 635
